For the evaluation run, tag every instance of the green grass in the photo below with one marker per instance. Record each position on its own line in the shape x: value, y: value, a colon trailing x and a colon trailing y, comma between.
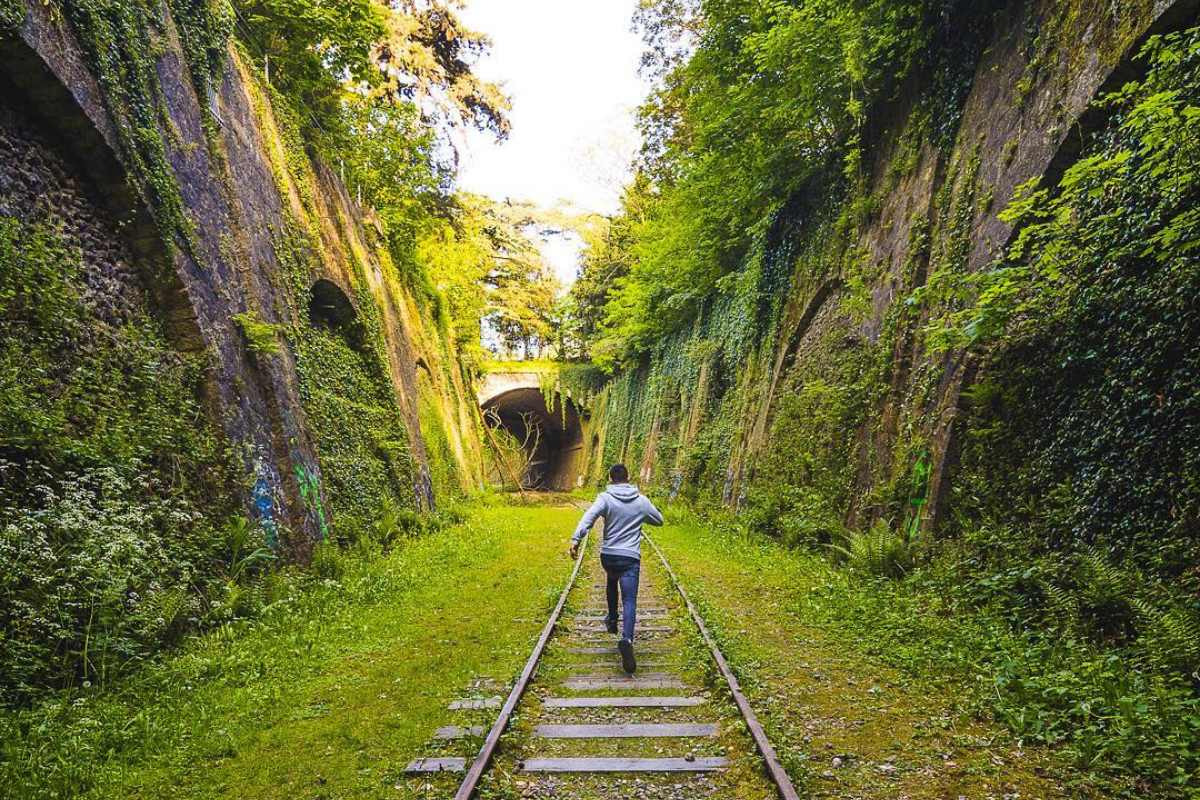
x: 327, y: 695
x: 834, y: 675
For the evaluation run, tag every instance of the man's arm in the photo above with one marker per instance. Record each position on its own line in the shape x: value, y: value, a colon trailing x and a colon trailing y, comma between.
x: 653, y: 515
x: 585, y: 524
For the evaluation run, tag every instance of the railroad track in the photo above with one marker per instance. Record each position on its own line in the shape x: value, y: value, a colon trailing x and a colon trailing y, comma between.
x: 586, y: 730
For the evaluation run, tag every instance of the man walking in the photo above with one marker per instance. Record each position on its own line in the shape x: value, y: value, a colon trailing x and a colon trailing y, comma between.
x: 624, y: 509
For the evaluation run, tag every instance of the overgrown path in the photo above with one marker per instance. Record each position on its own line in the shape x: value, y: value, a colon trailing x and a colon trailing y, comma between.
x: 338, y: 689
x: 586, y: 730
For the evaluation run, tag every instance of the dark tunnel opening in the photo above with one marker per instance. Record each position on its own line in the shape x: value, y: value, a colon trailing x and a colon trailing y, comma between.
x: 552, y: 437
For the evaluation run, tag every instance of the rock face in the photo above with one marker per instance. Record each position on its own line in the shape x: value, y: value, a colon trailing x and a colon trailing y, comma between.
x: 320, y: 417
x: 697, y: 419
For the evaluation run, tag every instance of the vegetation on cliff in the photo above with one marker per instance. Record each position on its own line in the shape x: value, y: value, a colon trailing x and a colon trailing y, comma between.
x: 122, y: 503
x: 756, y: 100
x: 737, y: 307
x: 112, y: 485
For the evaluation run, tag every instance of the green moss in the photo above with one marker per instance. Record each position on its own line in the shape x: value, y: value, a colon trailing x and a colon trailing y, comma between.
x: 262, y: 338
x: 12, y: 13
x: 438, y: 452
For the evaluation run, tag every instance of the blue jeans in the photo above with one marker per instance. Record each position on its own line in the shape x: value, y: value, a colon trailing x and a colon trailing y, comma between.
x: 624, y: 572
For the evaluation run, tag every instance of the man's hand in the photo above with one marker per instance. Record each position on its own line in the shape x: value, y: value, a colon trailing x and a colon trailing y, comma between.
x: 574, y: 551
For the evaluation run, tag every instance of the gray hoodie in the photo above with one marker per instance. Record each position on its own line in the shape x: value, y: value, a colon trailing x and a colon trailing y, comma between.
x: 624, y: 509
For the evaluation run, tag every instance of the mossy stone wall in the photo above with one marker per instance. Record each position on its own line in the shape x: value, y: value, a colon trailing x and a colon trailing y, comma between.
x: 242, y: 221
x: 838, y: 282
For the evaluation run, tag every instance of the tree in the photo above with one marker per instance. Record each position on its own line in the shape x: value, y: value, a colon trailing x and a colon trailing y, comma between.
x: 521, y: 289
x: 414, y: 51
x: 489, y: 272
x: 752, y: 100
x: 608, y: 259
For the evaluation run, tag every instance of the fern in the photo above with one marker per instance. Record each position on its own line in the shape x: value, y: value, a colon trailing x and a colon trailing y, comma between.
x: 1168, y: 637
x: 1061, y: 607
x: 880, y: 550
x: 165, y: 613
x: 247, y: 552
x: 1100, y: 582
x: 1104, y: 594
x: 392, y: 522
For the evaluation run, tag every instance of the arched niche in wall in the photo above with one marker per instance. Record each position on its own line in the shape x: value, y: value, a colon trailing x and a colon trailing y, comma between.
x: 57, y: 163
x: 107, y: 345
x: 329, y: 308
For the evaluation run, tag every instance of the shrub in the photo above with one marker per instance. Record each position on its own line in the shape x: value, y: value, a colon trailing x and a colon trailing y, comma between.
x: 881, y: 551
x: 100, y: 573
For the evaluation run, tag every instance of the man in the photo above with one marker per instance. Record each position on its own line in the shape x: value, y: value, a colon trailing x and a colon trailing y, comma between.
x: 624, y: 509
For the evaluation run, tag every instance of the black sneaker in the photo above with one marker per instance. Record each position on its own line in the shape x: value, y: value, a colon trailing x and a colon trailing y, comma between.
x: 611, y: 624
x: 627, y: 659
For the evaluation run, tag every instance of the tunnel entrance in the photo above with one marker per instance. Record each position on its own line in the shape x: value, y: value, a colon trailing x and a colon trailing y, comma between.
x: 551, y: 437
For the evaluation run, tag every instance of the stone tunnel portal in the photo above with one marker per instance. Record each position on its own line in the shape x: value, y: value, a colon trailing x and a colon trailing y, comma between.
x: 552, y: 436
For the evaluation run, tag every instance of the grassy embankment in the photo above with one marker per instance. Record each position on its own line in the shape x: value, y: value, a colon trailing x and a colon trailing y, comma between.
x: 327, y: 695
x: 852, y: 691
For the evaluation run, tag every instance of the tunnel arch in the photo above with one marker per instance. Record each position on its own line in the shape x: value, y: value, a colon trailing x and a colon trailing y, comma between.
x: 329, y: 305
x: 554, y: 451
x: 330, y: 309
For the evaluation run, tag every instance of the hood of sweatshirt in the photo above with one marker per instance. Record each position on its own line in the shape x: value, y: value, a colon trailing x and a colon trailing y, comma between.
x: 625, y: 492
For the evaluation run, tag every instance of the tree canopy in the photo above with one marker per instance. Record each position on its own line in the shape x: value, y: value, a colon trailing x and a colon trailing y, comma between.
x: 317, y: 51
x: 752, y: 99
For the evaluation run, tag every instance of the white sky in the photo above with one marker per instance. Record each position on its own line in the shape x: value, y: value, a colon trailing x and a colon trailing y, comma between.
x: 570, y: 67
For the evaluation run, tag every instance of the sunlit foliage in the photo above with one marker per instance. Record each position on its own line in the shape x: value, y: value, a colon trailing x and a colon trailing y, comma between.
x: 753, y: 98
x: 414, y: 50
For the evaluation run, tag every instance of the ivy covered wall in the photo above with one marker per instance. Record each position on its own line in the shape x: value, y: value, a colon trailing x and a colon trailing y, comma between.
x: 208, y: 359
x: 847, y: 284
x: 968, y: 363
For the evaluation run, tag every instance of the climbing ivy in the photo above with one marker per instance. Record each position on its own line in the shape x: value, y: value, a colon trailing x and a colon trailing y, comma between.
x: 122, y: 42
x: 12, y: 13
x: 1093, y: 322
x: 359, y: 429
x: 107, y: 459
x: 80, y: 392
x: 205, y: 27
x: 806, y: 480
